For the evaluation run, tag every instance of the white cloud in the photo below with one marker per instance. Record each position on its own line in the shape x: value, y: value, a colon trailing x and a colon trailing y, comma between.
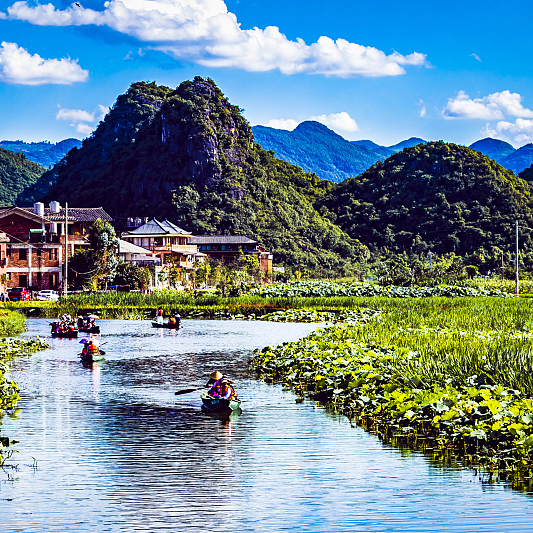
x: 81, y: 118
x: 203, y: 31
x: 76, y: 115
x: 422, y: 112
x: 521, y: 131
x: 338, y: 121
x: 492, y: 107
x: 476, y: 57
x: 282, y: 124
x: 18, y: 66
x: 84, y: 129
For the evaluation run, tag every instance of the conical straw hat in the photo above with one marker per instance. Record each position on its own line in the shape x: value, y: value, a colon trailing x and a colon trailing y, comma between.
x: 215, y: 375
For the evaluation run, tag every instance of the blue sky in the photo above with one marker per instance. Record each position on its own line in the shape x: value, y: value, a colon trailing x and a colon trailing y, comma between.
x: 385, y: 71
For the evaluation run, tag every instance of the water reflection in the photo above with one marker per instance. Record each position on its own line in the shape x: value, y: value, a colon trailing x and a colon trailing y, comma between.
x: 118, y: 451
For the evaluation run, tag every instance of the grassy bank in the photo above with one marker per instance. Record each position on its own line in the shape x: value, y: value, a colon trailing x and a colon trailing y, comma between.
x: 452, y: 377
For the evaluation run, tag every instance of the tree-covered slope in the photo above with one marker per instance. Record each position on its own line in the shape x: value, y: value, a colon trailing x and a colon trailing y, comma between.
x: 16, y: 173
x: 44, y: 153
x: 316, y: 148
x: 412, y: 141
x: 189, y: 155
x: 493, y: 148
x: 435, y: 197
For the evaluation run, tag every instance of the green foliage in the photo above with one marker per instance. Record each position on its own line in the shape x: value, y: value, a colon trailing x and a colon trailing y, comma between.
x: 16, y: 173
x: 11, y: 323
x: 436, y: 197
x: 103, y: 244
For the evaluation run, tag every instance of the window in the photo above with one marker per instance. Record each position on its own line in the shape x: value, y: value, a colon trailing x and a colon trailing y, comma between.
x: 39, y: 276
x: 23, y: 280
x: 9, y: 252
x: 51, y: 280
x: 39, y: 253
x: 223, y: 247
x: 53, y: 254
x: 23, y: 256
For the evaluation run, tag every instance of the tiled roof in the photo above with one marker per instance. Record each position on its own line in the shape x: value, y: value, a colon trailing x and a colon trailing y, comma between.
x: 223, y: 239
x: 75, y: 214
x: 155, y: 227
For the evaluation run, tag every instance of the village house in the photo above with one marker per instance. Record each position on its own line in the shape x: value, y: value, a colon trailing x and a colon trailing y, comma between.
x: 36, y: 248
x: 136, y: 255
x: 170, y: 244
x: 226, y: 248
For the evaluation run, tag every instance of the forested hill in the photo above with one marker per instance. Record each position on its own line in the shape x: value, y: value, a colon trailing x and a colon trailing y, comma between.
x: 16, y: 173
x: 43, y: 153
x: 316, y: 148
x: 435, y: 197
x: 189, y: 155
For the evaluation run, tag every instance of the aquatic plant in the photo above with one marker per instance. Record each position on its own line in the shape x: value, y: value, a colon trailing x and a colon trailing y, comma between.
x: 455, y: 380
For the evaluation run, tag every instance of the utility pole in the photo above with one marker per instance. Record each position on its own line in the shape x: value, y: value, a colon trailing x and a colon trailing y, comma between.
x: 502, y: 266
x: 516, y: 265
x: 65, y: 285
x: 430, y: 262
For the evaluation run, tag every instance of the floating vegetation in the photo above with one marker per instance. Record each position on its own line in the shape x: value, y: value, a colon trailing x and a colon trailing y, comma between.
x: 358, y: 316
x: 329, y: 288
x: 459, y: 394
x: 9, y: 390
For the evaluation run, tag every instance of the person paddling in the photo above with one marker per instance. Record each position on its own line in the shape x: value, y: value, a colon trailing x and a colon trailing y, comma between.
x: 225, y: 390
x: 159, y: 315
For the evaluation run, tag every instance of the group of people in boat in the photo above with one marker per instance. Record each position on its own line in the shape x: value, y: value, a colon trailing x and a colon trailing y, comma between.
x: 220, y: 386
x: 64, y: 325
x: 174, y: 320
x: 86, y: 322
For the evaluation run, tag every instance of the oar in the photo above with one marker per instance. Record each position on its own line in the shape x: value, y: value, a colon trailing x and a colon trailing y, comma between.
x: 186, y: 391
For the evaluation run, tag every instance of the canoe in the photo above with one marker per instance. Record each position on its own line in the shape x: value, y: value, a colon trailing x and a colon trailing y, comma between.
x: 167, y: 325
x: 219, y: 405
x: 65, y: 334
x: 94, y: 329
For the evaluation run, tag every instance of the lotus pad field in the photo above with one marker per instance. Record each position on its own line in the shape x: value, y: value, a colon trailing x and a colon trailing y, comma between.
x: 452, y: 377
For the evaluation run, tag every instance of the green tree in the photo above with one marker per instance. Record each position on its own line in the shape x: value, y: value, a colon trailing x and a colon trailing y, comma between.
x: 103, y: 244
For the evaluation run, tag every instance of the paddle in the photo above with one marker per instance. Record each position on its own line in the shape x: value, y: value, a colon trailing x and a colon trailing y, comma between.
x: 186, y: 391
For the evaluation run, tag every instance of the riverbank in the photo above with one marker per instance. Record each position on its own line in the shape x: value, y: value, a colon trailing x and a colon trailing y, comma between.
x: 450, y: 377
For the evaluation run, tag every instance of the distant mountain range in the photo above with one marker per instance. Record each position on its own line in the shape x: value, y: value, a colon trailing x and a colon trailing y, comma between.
x: 317, y: 149
x: 43, y: 153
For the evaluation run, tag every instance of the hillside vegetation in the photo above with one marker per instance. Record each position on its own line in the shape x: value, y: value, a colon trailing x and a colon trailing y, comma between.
x: 189, y: 155
x: 435, y: 197
x: 16, y: 173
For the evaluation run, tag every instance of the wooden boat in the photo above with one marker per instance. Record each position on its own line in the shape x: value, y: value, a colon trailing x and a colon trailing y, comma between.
x: 90, y: 360
x: 167, y: 325
x: 65, y: 334
x: 219, y: 405
x: 93, y: 329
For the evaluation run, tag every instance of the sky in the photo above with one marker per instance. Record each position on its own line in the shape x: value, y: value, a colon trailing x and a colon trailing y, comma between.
x: 457, y: 71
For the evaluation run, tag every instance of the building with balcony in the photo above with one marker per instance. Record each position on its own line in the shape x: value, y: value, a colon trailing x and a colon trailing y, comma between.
x: 167, y: 241
x: 37, y: 241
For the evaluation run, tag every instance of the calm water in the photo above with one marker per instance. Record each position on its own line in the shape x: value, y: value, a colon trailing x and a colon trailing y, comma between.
x: 116, y: 450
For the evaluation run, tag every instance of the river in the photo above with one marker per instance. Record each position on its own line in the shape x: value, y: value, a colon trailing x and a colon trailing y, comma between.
x: 112, y: 449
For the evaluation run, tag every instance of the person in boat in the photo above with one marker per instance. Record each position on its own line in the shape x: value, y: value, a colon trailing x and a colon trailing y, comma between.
x: 159, y: 315
x: 80, y: 322
x: 214, y: 381
x: 178, y: 320
x: 172, y: 320
x: 224, y: 390
x: 92, y: 349
x: 84, y: 349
